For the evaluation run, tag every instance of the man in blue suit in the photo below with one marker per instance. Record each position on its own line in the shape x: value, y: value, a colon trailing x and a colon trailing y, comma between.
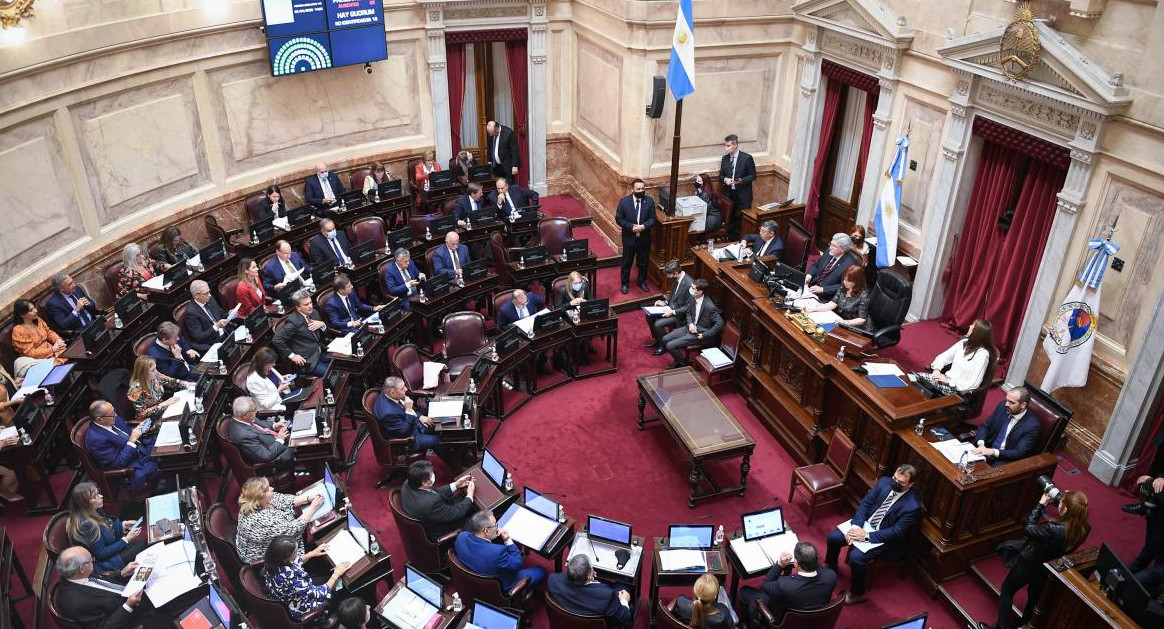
x: 636, y: 216
x: 823, y: 278
x: 449, y: 259
x: 885, y: 516
x: 1010, y: 433
x: 401, y: 278
x: 114, y: 446
x: 285, y: 262
x: 473, y: 200
x: 399, y: 420
x: 521, y: 306
x: 69, y: 308
x: 475, y: 549
x: 330, y: 245
x: 767, y: 243
x: 323, y: 190
x: 507, y: 199
x: 344, y: 309
x: 579, y: 591
x: 171, y: 352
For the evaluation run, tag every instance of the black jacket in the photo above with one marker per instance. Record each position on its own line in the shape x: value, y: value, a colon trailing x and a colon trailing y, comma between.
x: 793, y: 591
x: 1045, y: 540
x: 93, y: 608
x: 441, y: 510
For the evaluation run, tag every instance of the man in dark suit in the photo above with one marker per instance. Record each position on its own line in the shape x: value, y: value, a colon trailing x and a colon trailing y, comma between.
x: 810, y: 588
x: 767, y: 243
x: 675, y: 303
x: 636, y: 216
x: 171, y: 352
x: 824, y: 276
x: 95, y: 602
x: 205, y: 322
x: 885, y: 516
x: 402, y: 279
x: 275, y: 271
x: 507, y: 198
x: 449, y: 259
x: 259, y: 441
x: 330, y: 245
x: 323, y: 190
x: 521, y: 306
x: 475, y: 549
x: 474, y: 199
x: 399, y: 419
x: 344, y: 309
x: 701, y: 325
x: 440, y: 510
x: 579, y: 591
x: 737, y: 171
x: 1010, y: 433
x: 69, y: 308
x: 504, y: 151
x: 300, y: 338
x: 114, y: 446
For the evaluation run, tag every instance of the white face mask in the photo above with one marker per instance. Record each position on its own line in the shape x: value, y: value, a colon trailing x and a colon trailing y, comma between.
x: 577, y: 287
x: 432, y: 478
x: 331, y: 234
x: 692, y: 291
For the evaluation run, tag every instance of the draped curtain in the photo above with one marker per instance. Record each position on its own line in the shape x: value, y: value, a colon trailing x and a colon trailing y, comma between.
x: 455, y: 56
x: 470, y: 118
x: 828, y: 121
x: 516, y: 57
x: 866, y: 135
x: 850, y: 145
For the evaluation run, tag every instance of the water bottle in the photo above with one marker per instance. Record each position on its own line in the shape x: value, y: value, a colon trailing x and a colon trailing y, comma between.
x: 468, y: 423
x: 719, y: 535
x: 472, y: 387
x: 324, y: 430
x: 508, y: 481
x: 198, y: 408
x: 457, y: 605
x: 962, y: 461
x: 561, y: 513
x: 493, y: 355
x: 521, y: 262
x: 279, y: 307
x: 24, y: 438
x: 359, y: 350
x: 841, y: 353
x: 117, y: 321
x: 221, y: 367
x: 373, y: 545
x: 921, y: 426
x: 565, y: 255
x: 254, y: 237
x: 201, y: 267
x: 190, y: 438
x: 468, y: 223
x: 427, y: 233
x: 329, y: 397
x: 426, y: 186
x: 422, y: 297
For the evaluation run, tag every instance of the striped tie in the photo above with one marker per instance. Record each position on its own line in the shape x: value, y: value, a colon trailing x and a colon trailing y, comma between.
x: 879, y: 514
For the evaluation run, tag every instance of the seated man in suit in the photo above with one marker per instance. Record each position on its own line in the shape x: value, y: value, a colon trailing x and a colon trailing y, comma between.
x: 204, y: 320
x: 508, y: 199
x: 399, y: 419
x: 114, y: 446
x: 885, y: 516
x: 323, y: 190
x: 767, y: 243
x: 344, y: 309
x: 171, y: 352
x: 441, y: 510
x: 1010, y: 433
x: 810, y: 588
x: 69, y: 308
x: 95, y: 601
x: 259, y: 441
x: 330, y: 245
x: 824, y: 276
x: 401, y: 278
x: 579, y: 591
x: 475, y: 549
x: 472, y: 201
x: 300, y: 339
x: 701, y: 325
x: 675, y: 303
x: 449, y: 259
x: 521, y: 306
x: 285, y: 262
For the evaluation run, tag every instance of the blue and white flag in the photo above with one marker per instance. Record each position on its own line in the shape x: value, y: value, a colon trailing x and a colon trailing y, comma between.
x: 681, y: 70
x: 1072, y: 335
x: 889, y: 206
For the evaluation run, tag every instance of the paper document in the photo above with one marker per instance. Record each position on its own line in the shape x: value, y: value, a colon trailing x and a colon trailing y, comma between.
x: 35, y: 375
x: 194, y: 262
x: 526, y: 527
x: 861, y: 546
x: 677, y: 560
x: 362, y: 537
x: 240, y: 334
x: 953, y: 449
x: 776, y: 545
x: 211, y: 355
x: 154, y: 283
x: 173, y: 572
x: 163, y: 507
x: 824, y: 316
x: 722, y: 252
x: 341, y: 345
x: 602, y: 555
x: 233, y: 314
x: 527, y: 323
x: 168, y: 434
x: 446, y: 408
x: 716, y: 357
x: 8, y: 432
x: 805, y: 302
x: 184, y: 397
x: 432, y: 374
x: 282, y: 222
x: 318, y: 489
x: 293, y: 275
x: 906, y: 261
x: 655, y: 311
x: 883, y: 369
x: 309, y: 431
x: 763, y: 553
x: 139, y: 578
x: 343, y: 547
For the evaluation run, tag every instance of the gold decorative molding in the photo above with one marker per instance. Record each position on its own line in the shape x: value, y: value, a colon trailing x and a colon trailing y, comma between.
x: 12, y: 11
x: 1019, y: 48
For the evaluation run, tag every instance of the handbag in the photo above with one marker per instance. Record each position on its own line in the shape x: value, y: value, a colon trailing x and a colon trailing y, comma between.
x: 1009, y: 550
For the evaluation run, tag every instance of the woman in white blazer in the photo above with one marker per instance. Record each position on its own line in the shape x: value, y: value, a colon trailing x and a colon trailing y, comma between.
x: 261, y: 382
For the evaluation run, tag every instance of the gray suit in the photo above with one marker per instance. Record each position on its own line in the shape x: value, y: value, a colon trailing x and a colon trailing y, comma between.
x: 295, y: 338
x: 258, y: 446
x: 709, y: 323
x: 677, y: 300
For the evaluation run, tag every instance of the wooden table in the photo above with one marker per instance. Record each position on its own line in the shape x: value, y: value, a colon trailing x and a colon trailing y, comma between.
x: 717, y: 565
x: 369, y: 569
x: 700, y: 424
x: 448, y: 617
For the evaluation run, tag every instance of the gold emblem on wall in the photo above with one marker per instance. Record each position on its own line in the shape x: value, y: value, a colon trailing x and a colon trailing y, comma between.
x: 12, y: 11
x: 1019, y: 49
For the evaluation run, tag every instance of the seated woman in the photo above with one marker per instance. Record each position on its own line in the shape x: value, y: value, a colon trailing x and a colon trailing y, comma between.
x: 576, y: 291
x: 174, y: 247
x: 266, y: 385
x: 273, y: 205
x: 714, y: 218
x: 137, y: 268
x: 373, y: 181
x: 264, y: 515
x: 705, y: 611
x: 867, y: 253
x: 249, y: 293
x: 9, y: 484
x: 32, y: 339
x: 851, y: 302
x: 287, y: 582
x: 462, y: 164
x: 150, y: 392
x: 112, y: 543
x: 967, y: 359
x: 427, y: 166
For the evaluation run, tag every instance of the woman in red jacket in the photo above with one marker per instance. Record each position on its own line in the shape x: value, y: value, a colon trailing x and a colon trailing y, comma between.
x: 249, y: 292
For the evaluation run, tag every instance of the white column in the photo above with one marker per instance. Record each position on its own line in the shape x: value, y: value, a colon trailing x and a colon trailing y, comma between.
x: 807, y: 124
x: 538, y: 105
x: 870, y: 187
x: 438, y: 82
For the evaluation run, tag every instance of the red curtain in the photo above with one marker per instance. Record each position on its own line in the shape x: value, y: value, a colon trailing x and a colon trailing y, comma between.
x: 455, y: 57
x: 516, y: 59
x: 832, y: 105
x: 866, y: 136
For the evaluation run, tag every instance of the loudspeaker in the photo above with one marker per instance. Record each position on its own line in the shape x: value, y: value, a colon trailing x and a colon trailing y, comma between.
x: 658, y: 90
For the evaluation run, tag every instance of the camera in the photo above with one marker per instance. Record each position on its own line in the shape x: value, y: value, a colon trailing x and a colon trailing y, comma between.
x: 1049, y: 488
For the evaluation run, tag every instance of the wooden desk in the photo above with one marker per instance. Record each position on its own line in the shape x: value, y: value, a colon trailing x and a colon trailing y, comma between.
x: 633, y: 582
x: 1072, y: 601
x: 176, y: 458
x: 488, y: 496
x: 752, y: 218
x: 111, y: 351
x: 700, y: 424
x: 179, y: 291
x: 369, y: 569
x: 433, y: 308
x: 716, y: 564
x: 448, y: 617
x: 43, y: 435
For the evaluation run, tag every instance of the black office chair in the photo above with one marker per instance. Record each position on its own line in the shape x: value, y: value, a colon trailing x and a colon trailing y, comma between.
x: 888, y: 305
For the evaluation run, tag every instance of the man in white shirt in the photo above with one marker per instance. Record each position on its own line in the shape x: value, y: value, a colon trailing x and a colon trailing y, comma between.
x: 1010, y: 433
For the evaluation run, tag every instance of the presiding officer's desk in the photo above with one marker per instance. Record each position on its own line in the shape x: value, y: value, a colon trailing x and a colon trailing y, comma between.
x: 717, y: 565
x: 735, y: 294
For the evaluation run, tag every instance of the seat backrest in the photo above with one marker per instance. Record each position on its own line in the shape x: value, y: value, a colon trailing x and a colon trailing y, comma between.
x: 552, y: 232
x: 410, y: 365
x: 796, y: 245
x: 464, y: 333
x: 558, y: 284
x: 976, y: 399
x: 823, y: 618
x: 370, y: 229
x: 153, y: 249
x: 55, y: 610
x: 254, y: 205
x: 321, y: 298
x: 273, y: 613
x: 228, y: 293
x: 239, y: 468
x: 114, y: 387
x: 215, y: 231
x: 142, y: 344
x: 475, y: 586
x: 422, y: 552
x: 112, y: 272
x: 730, y: 343
x: 356, y: 178
x: 95, y: 473
x: 56, y: 536
x: 840, y: 453
x: 418, y: 223
x: 7, y: 353
x: 221, y: 531
x: 501, y: 298
x: 889, y: 302
x: 562, y: 618
x: 497, y: 248
x: 667, y: 619
x: 428, y: 254
x: 411, y: 170
x: 239, y: 379
x: 1053, y: 418
x: 179, y: 314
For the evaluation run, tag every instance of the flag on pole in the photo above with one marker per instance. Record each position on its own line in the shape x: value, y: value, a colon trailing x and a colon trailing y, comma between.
x: 681, y: 70
x: 889, y: 206
x: 1072, y: 335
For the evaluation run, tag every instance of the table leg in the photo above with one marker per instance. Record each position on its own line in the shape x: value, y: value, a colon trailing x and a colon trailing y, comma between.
x: 694, y: 478
x: 735, y: 584
x: 642, y: 407
x: 652, y: 596
x: 745, y: 467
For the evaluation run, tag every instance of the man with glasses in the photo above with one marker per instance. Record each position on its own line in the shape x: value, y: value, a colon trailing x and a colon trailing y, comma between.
x: 96, y: 603
x: 258, y: 441
x: 114, y: 446
x: 205, y: 321
x: 476, y: 549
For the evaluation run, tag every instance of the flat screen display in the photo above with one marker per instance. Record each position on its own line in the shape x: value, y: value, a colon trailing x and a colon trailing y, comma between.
x: 422, y: 586
x: 358, y: 45
x: 609, y: 530
x: 301, y: 53
x: 493, y: 468
x: 354, y: 13
x: 307, y: 35
x: 759, y: 524
x: 294, y: 17
x: 690, y: 536
x: 540, y: 504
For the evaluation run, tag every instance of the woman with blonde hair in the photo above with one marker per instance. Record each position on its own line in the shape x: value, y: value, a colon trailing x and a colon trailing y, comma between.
x: 112, y: 543
x: 575, y: 291
x: 704, y: 611
x: 150, y: 391
x: 137, y: 269
x: 426, y: 167
x: 264, y: 514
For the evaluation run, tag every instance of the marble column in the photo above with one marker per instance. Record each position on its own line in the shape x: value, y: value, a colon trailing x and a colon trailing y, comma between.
x: 438, y: 82
x: 538, y: 104
x: 807, y: 124
x: 871, y: 185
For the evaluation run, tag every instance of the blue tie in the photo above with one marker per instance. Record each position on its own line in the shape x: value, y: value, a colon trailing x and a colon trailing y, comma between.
x: 1000, y: 438
x: 83, y: 315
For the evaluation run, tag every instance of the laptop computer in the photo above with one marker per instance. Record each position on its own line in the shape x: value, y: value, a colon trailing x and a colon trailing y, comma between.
x: 354, y: 199
x: 398, y: 239
x: 917, y: 622
x: 577, y: 248
x: 436, y: 285
x: 128, y: 306
x: 480, y: 172
x: 57, y: 375
x: 415, y: 603
x: 263, y: 229
x: 760, y: 524
x: 533, y: 255
x: 390, y: 189
x: 442, y: 179
x: 95, y: 333
x: 608, y: 533
x: 441, y: 225
x: 475, y: 269
x: 363, y: 252
x: 527, y: 213
x: 539, y: 503
x: 493, y: 468
x: 212, y: 253
x: 594, y: 309
x: 692, y: 536
x: 299, y: 215
x: 486, y: 616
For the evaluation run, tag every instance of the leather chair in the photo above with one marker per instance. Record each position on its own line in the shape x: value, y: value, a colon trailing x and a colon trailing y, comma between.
x: 221, y: 531
x: 274, y: 613
x: 500, y: 299
x: 562, y: 618
x: 729, y: 344
x: 142, y: 344
x: 888, y: 305
x: 62, y: 621
x: 241, y: 469
x: 7, y: 353
x: 321, y: 297
x: 1053, y: 418
x: 215, y: 232
x: 464, y: 335
x: 797, y: 244
x: 552, y: 232
x: 228, y: 293
x: 56, y: 536
x: 114, y: 388
x: 824, y: 478
x: 239, y: 379
x: 112, y: 273
x: 179, y: 315
x: 409, y: 364
x: 975, y: 399
x: 254, y: 205
x: 370, y: 229
x: 395, y: 455
x: 356, y: 178
x: 500, y: 256
x: 823, y: 618
x: 109, y: 482
x: 418, y: 223
x: 426, y: 555
x: 667, y: 618
x: 428, y: 255
x: 474, y: 586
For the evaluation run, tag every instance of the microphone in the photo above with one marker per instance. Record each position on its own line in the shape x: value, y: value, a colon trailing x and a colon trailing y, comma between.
x: 508, y: 467
x: 552, y: 493
x: 705, y: 516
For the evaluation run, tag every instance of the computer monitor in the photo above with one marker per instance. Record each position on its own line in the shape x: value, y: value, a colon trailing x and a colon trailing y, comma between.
x: 422, y: 586
x: 255, y: 319
x: 299, y: 215
x: 917, y: 622
x: 185, y: 423
x: 363, y: 336
x: 363, y: 252
x: 95, y: 333
x: 27, y: 414
x: 539, y: 503
x: 594, y: 309
x: 548, y: 320
x: 606, y: 530
x: 174, y: 274
x: 390, y: 189
x: 209, y: 612
x: 493, y: 468
x: 354, y: 199
x: 330, y: 488
x: 480, y: 367
x: 508, y: 341
x: 759, y: 271
x: 212, y: 253
x: 487, y: 616
x: 127, y: 306
x: 788, y: 275
x: 533, y: 255
x: 398, y: 238
x: 483, y: 216
x: 695, y: 536
x: 263, y: 229
x: 436, y: 285
x: 475, y: 269
x: 322, y: 272
x: 1120, y: 586
x: 441, y: 179
x: 442, y: 224
x: 221, y: 609
x: 480, y: 172
x: 355, y: 525
x: 391, y: 309
x: 228, y: 349
x: 761, y: 524
x: 577, y: 248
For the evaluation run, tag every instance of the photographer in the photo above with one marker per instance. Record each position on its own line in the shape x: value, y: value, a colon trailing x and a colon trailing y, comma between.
x: 1149, y: 488
x: 1044, y: 541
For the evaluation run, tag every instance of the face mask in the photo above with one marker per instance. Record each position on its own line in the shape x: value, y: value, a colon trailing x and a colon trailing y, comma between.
x: 576, y: 287
x: 331, y: 234
x: 896, y: 486
x: 692, y: 291
x: 323, y: 175
x: 639, y: 195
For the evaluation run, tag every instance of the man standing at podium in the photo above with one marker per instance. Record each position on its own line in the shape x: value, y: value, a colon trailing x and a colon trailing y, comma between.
x: 636, y: 216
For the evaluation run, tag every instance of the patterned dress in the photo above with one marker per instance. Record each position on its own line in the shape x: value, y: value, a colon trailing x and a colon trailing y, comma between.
x: 293, y: 586
x: 256, y: 530
x: 129, y: 281
x: 146, y: 399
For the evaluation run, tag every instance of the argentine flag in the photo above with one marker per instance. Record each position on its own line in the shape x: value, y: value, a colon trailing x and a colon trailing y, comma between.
x: 681, y: 70
x: 889, y: 206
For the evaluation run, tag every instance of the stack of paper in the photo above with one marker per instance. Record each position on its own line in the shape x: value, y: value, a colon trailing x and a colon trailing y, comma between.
x: 8, y: 432
x: 194, y: 262
x: 172, y: 574
x: 341, y: 345
x: 861, y: 546
x: 154, y: 283
x: 682, y: 560
x: 432, y: 374
x: 883, y: 369
x: 240, y: 334
x: 953, y: 449
x: 282, y: 223
x: 716, y: 357
x: 168, y: 434
x: 824, y: 316
x: 526, y: 527
x: 184, y: 397
x: 805, y: 302
x: 343, y: 547
x: 527, y: 323
x: 211, y: 354
x: 654, y: 311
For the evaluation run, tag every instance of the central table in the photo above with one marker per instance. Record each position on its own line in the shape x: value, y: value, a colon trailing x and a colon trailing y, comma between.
x: 700, y: 424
